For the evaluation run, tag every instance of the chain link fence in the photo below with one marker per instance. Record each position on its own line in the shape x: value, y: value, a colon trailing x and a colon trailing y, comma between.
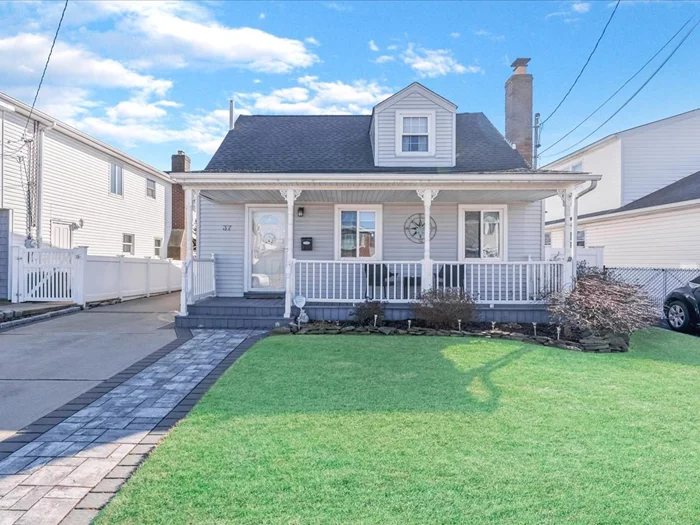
x: 656, y: 282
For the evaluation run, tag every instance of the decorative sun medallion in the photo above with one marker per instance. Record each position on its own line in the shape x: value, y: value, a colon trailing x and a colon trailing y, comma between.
x: 269, y: 238
x: 414, y: 228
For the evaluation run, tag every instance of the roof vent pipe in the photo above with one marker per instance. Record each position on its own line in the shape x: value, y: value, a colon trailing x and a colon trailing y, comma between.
x: 231, y: 111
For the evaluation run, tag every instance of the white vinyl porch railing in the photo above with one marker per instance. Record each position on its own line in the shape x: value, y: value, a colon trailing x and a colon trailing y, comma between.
x: 199, y: 278
x: 400, y: 282
x: 348, y: 282
x: 501, y: 282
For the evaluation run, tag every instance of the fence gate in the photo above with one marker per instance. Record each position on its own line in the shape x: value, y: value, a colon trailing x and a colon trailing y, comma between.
x: 657, y: 283
x: 47, y: 274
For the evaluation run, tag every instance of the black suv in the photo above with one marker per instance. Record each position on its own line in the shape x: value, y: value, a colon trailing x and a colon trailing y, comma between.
x: 682, y: 306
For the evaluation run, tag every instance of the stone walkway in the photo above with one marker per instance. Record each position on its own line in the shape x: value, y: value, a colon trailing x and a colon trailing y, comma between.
x: 68, y: 473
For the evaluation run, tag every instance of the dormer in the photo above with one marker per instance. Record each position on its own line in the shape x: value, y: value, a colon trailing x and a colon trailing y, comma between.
x: 414, y: 128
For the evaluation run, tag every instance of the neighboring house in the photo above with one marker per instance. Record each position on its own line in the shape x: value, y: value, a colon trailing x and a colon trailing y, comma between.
x: 634, y: 164
x: 62, y: 188
x: 339, y: 209
x: 659, y: 230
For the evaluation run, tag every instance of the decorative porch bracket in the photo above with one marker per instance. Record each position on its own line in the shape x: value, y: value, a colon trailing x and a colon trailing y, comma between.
x: 290, y: 196
x: 427, y: 196
x: 566, y: 197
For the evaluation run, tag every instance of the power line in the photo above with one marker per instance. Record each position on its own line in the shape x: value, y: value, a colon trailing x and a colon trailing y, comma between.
x: 634, y: 94
x: 586, y: 64
x: 46, y: 66
x: 620, y: 88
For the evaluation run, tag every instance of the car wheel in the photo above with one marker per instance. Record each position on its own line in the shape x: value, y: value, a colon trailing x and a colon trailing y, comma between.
x: 678, y: 316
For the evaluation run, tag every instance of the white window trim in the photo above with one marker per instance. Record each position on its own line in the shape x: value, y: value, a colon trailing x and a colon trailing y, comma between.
x: 160, y: 248
x: 399, y: 133
x: 503, y: 209
x: 155, y: 187
x: 109, y: 181
x: 133, y: 244
x: 379, y: 235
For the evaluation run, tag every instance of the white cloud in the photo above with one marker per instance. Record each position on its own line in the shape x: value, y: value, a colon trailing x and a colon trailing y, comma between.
x: 491, y: 36
x: 262, y: 16
x: 455, y: 35
x: 581, y: 7
x: 311, y: 40
x: 22, y: 59
x: 392, y: 47
x: 373, y: 46
x: 383, y: 59
x: 569, y: 11
x: 434, y: 62
x: 188, y: 30
x: 314, y: 97
x: 338, y: 6
x: 256, y: 81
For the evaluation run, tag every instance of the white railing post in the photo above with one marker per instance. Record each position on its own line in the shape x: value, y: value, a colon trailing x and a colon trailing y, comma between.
x: 213, y: 275
x: 427, y: 197
x: 168, y: 286
x: 148, y: 276
x: 79, y: 262
x: 184, y: 290
x: 18, y: 274
x: 290, y: 196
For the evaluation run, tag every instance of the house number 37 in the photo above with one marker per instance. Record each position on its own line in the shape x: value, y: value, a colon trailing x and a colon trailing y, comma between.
x: 227, y: 227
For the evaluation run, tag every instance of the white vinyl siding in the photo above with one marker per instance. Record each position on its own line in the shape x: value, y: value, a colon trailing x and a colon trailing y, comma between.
x: 73, y: 188
x: 662, y: 239
x: 14, y: 183
x: 386, y: 139
x: 227, y: 244
x: 603, y: 160
x: 657, y: 155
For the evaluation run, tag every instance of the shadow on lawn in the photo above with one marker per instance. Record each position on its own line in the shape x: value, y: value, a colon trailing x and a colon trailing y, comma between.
x: 338, y: 374
x: 658, y: 344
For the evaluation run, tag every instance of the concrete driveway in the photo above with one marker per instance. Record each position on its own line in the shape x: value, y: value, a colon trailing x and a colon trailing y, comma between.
x: 47, y: 364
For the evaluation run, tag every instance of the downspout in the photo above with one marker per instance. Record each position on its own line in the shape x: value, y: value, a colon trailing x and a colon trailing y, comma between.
x: 2, y: 160
x: 574, y: 229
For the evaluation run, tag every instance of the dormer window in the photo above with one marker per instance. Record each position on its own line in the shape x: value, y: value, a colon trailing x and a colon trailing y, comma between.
x: 415, y: 133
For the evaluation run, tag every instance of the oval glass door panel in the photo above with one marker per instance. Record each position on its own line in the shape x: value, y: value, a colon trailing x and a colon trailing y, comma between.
x: 268, y: 239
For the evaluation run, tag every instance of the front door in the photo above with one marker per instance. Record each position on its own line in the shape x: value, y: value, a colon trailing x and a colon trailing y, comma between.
x: 268, y: 239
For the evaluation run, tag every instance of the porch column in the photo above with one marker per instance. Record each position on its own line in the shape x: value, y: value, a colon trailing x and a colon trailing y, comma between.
x: 290, y: 196
x: 427, y: 197
x: 567, y: 198
x: 187, y: 260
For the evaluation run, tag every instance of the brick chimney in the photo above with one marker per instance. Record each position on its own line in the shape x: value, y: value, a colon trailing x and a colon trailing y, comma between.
x: 176, y: 245
x: 519, y: 108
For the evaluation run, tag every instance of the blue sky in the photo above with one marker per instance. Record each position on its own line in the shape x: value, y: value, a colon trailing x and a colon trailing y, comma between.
x: 152, y: 78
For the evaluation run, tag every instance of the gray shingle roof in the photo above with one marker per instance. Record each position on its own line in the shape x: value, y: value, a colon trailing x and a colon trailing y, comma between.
x: 685, y: 189
x: 341, y: 144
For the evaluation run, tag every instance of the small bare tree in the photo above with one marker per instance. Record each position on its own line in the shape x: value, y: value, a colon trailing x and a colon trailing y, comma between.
x: 603, y: 304
x: 444, y: 309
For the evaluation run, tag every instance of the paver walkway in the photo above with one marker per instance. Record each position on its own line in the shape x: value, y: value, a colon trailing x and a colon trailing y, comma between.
x: 71, y: 471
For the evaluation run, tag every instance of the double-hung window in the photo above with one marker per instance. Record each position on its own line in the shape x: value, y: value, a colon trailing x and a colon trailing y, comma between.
x: 157, y: 246
x: 116, y: 180
x: 150, y: 188
x: 482, y: 232
x: 128, y: 243
x: 415, y: 134
x: 358, y: 232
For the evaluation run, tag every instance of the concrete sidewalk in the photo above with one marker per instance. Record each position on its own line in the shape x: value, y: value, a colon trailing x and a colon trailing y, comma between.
x: 45, y: 365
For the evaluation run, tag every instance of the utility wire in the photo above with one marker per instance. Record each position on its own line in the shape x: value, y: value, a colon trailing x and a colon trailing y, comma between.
x: 46, y: 66
x: 634, y: 94
x: 586, y: 63
x: 621, y: 87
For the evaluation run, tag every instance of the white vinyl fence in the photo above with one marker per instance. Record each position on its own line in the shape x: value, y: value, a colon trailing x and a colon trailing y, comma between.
x: 657, y: 283
x: 200, y: 278
x: 56, y: 275
x: 592, y: 256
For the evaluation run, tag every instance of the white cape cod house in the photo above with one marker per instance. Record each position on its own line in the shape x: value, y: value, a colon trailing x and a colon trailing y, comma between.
x: 340, y: 209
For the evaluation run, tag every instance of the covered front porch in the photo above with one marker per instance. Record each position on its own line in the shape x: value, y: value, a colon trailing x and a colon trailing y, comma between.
x: 337, y: 241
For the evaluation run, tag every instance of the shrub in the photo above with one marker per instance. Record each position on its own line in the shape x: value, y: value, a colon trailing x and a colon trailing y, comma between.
x: 442, y: 309
x: 364, y: 313
x: 603, y: 304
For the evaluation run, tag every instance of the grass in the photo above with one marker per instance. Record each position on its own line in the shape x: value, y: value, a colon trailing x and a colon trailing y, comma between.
x: 401, y: 430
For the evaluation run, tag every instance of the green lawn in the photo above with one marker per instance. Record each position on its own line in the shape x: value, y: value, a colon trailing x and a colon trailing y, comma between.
x: 374, y: 429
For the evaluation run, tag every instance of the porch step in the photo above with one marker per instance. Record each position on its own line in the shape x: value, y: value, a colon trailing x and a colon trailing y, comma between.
x: 263, y: 295
x: 206, y: 310
x: 228, y: 321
